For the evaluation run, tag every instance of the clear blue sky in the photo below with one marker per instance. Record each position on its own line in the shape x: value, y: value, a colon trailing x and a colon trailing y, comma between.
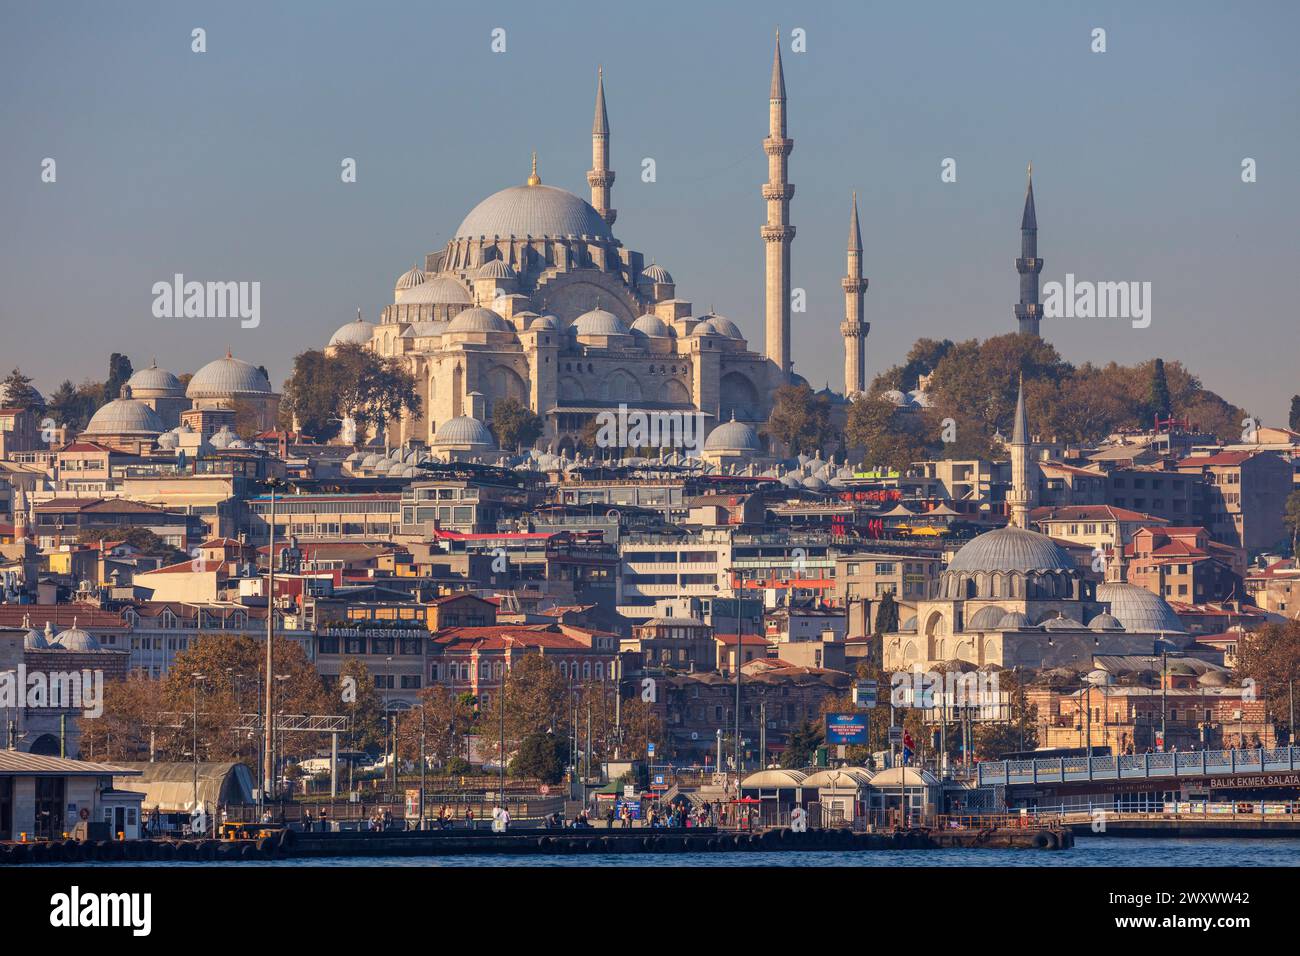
x: 225, y: 165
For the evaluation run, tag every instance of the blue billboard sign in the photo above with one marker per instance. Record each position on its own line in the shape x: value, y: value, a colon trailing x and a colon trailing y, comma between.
x: 846, y: 729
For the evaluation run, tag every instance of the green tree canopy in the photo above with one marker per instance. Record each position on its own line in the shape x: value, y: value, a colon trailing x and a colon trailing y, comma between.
x: 800, y: 419
x: 514, y: 425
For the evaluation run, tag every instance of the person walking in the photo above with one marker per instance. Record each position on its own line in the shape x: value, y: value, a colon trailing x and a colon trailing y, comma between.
x: 469, y: 818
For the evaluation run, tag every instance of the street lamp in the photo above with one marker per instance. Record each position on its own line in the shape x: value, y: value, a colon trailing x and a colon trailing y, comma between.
x: 268, y: 740
x: 194, y: 744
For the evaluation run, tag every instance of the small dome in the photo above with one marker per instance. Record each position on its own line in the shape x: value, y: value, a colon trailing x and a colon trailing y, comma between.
x: 894, y: 397
x: 410, y: 279
x: 75, y: 639
x: 495, y: 269
x: 723, y: 326
x: 1061, y: 623
x: 464, y: 430
x: 226, y: 377
x: 545, y: 323
x: 479, y: 320
x: 371, y: 460
x: 436, y: 290
x: 168, y: 440
x: 658, y: 274
x: 986, y: 618
x: 34, y: 640
x: 1015, y: 621
x: 813, y: 483
x: 1011, y: 549
x: 704, y: 328
x: 1139, y: 609
x: 125, y: 416
x: 733, y: 436
x: 653, y: 327
x: 599, y: 322
x: 357, y: 332
x: 1105, y: 622
x: 155, y: 379
x: 1213, y: 679
x: 223, y: 438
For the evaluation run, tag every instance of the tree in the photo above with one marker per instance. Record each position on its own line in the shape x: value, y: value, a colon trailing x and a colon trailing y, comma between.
x: 1158, y: 392
x: 536, y: 698
x: 1291, y: 518
x: 541, y: 755
x: 1270, y: 657
x: 119, y: 373
x: 72, y: 405
x: 447, y: 719
x: 142, y: 539
x: 16, y: 391
x: 887, y: 614
x: 1020, y: 732
x: 362, y: 704
x: 888, y: 437
x: 804, y: 741
x: 310, y: 396
x: 122, y: 732
x: 514, y: 425
x: 1293, y: 420
x: 800, y: 419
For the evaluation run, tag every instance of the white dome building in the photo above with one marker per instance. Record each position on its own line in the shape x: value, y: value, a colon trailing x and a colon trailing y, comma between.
x: 228, y: 385
x: 620, y: 334
x: 125, y: 424
x: 357, y: 332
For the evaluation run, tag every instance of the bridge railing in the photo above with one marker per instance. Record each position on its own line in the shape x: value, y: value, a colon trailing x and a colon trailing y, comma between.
x: 1197, y: 763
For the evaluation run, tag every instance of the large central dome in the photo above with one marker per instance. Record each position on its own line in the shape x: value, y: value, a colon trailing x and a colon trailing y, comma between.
x: 1011, y: 549
x: 537, y: 211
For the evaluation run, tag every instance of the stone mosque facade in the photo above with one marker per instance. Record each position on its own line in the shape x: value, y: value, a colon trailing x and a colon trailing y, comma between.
x: 534, y: 298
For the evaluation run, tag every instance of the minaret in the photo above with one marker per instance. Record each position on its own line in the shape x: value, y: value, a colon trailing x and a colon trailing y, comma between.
x: 777, y: 233
x: 854, y: 328
x: 1021, y: 498
x: 1029, y: 311
x: 600, y: 177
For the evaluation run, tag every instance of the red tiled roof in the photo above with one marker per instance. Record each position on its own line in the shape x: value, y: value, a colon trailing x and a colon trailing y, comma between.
x: 729, y: 639
x: 60, y: 615
x: 1093, y: 513
x: 1222, y: 458
x: 501, y: 637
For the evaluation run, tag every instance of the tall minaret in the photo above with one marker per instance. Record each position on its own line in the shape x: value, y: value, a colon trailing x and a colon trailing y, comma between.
x: 1029, y: 311
x: 600, y: 177
x: 854, y: 328
x: 1021, y: 497
x: 777, y: 233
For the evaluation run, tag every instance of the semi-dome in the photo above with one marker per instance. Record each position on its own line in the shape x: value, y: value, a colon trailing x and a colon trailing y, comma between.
x: 436, y: 290
x: 657, y: 273
x: 1011, y: 549
x: 155, y: 379
x: 652, y: 326
x: 733, y: 436
x: 357, y: 332
x: 495, y: 269
x: 464, y: 430
x: 226, y: 377
x: 479, y: 320
x: 986, y: 618
x: 599, y: 322
x: 125, y: 416
x: 410, y: 279
x: 535, y: 210
x: 1139, y: 609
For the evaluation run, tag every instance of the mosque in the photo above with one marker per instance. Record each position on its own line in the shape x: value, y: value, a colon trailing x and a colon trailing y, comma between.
x: 535, y: 299
x: 1014, y: 597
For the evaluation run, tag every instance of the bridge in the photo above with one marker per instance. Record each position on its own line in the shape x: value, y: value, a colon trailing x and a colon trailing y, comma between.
x: 1154, y: 766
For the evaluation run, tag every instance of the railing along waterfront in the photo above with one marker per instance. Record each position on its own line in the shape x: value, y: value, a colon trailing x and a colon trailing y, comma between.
x: 1192, y: 763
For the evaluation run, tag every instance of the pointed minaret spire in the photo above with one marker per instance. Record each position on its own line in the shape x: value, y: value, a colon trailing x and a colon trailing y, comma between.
x: 1029, y: 311
x: 778, y: 74
x: 854, y: 328
x: 600, y: 177
x: 777, y: 232
x: 1020, y: 500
